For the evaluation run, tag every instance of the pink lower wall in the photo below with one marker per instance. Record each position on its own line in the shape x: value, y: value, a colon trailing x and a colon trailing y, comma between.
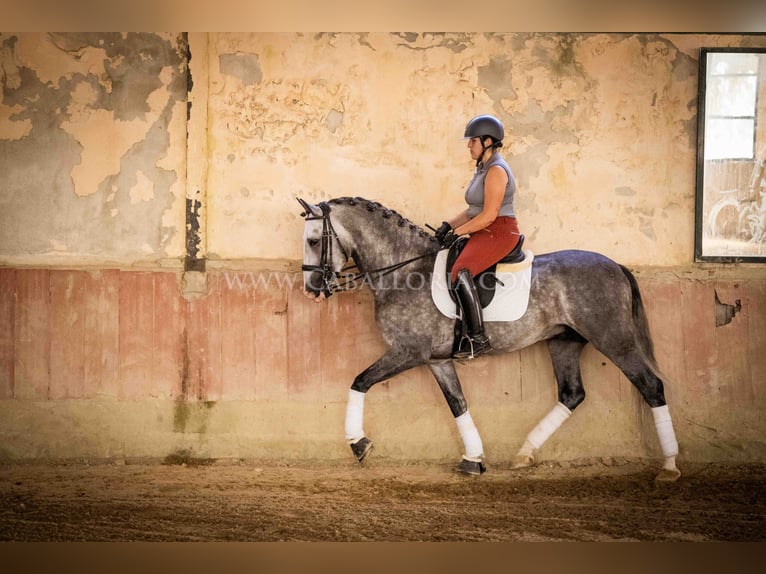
x: 130, y: 336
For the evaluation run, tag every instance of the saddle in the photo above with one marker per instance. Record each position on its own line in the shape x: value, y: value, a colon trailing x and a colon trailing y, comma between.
x: 486, y: 280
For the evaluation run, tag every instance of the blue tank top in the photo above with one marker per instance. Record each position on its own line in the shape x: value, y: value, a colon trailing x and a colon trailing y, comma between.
x: 474, y: 195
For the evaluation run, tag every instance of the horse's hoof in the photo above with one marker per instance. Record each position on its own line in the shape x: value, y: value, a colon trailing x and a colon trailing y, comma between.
x: 522, y: 461
x: 361, y: 448
x: 471, y: 467
x: 668, y: 475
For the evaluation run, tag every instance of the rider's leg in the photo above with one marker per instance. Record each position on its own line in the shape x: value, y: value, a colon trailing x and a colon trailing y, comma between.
x: 477, y: 341
x: 484, y: 248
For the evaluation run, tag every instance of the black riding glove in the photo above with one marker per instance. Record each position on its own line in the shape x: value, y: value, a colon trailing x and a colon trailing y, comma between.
x: 447, y: 239
x: 444, y: 228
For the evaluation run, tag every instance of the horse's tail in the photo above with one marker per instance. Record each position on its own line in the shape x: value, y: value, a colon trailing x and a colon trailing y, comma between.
x: 643, y: 338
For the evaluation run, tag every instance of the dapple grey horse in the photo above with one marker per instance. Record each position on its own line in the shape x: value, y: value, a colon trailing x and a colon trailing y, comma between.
x: 576, y: 297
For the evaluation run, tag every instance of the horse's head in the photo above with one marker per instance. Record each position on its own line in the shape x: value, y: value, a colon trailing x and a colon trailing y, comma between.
x: 323, y: 253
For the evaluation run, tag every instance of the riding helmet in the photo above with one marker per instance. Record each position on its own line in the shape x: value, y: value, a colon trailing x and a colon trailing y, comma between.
x: 482, y: 126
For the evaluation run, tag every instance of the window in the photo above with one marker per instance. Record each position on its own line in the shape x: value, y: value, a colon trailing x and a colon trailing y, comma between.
x: 732, y: 97
x: 730, y: 209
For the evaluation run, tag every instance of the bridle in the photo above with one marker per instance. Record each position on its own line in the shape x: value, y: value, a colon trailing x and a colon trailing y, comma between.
x: 329, y: 236
x: 330, y: 278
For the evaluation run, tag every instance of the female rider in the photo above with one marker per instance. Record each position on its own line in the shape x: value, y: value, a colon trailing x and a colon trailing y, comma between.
x: 490, y: 220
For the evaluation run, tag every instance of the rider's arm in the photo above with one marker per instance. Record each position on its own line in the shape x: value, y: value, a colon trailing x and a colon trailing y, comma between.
x: 459, y: 219
x: 494, y: 191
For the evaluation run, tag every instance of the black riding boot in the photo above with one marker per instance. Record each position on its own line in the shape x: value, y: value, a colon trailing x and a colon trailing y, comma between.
x: 476, y: 343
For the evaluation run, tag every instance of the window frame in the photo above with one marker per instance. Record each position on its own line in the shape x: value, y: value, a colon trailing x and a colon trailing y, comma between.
x: 700, y: 212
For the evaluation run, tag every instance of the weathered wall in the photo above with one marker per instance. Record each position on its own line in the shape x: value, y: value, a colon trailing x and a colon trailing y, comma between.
x: 601, y: 133
x: 601, y: 136
x: 92, y: 148
x: 108, y: 190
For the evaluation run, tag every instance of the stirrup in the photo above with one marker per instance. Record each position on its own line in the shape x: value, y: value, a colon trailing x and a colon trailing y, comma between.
x: 476, y: 347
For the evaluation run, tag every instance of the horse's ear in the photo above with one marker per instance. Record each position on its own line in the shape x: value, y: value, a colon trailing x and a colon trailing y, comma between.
x: 306, y: 207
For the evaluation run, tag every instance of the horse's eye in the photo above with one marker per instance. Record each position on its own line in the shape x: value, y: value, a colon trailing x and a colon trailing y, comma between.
x: 313, y: 242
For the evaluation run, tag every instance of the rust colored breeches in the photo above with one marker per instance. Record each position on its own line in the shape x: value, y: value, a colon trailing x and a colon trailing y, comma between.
x: 488, y: 246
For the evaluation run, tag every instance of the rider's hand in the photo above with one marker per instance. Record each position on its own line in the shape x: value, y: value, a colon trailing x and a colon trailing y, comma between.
x: 447, y: 239
x: 444, y: 228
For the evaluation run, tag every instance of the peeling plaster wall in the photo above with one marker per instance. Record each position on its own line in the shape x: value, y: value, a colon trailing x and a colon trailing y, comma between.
x: 92, y: 148
x: 94, y: 155
x: 601, y: 133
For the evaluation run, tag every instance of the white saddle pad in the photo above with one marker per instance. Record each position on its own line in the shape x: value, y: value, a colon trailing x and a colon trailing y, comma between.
x: 511, y: 292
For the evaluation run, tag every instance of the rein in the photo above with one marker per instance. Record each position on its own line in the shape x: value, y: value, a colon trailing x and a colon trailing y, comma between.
x: 382, y: 271
x: 330, y: 277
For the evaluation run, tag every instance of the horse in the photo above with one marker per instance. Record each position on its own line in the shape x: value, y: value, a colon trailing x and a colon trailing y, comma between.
x: 575, y: 297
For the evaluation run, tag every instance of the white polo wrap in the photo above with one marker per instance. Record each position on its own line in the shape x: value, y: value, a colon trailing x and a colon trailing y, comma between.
x: 354, y: 416
x: 471, y: 439
x: 550, y: 423
x: 665, y: 432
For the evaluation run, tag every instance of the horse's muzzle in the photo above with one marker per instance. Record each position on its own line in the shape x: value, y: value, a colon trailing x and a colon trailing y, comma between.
x: 315, y: 286
x: 314, y: 297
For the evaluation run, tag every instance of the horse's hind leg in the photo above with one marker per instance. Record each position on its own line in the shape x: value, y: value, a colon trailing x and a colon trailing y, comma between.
x: 446, y: 377
x: 565, y: 355
x: 651, y: 388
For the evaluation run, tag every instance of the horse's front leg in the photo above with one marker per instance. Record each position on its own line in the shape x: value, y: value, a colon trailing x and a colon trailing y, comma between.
x: 446, y: 377
x: 395, y: 361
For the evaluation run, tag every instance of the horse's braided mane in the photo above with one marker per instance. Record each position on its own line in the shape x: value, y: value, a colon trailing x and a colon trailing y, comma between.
x: 372, y: 206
